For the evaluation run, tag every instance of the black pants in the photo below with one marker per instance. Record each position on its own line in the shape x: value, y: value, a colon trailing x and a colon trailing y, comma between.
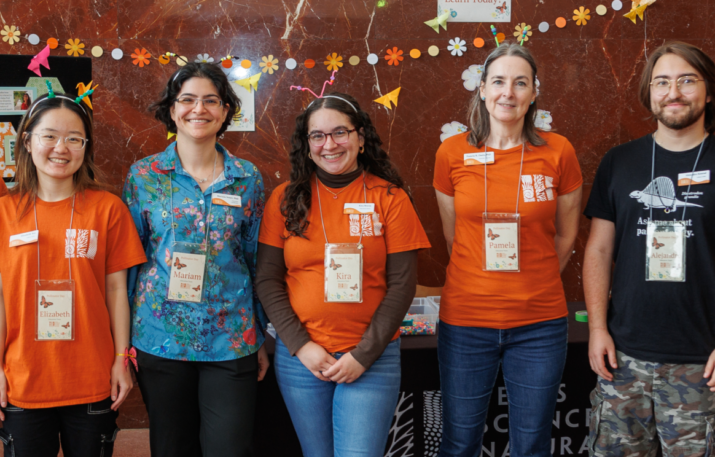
x: 199, y: 409
x: 84, y: 430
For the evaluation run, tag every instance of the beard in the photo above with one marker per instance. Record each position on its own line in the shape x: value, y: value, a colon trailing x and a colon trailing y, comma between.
x: 678, y: 121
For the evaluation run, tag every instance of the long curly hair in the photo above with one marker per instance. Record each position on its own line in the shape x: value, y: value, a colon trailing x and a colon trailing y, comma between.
x: 374, y: 160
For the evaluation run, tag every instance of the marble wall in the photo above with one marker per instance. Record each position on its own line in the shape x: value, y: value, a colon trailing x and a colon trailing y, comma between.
x: 588, y: 75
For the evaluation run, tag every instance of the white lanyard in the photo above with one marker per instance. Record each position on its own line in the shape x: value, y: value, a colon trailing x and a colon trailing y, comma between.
x: 320, y: 208
x: 34, y: 207
x: 518, y: 184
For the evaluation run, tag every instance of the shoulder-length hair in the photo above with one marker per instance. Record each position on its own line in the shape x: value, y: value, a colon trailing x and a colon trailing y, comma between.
x: 697, y: 59
x: 210, y: 71
x: 479, y: 121
x: 374, y: 160
x: 88, y: 176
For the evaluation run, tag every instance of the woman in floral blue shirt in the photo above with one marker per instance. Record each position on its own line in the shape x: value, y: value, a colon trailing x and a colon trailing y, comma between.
x: 198, y: 332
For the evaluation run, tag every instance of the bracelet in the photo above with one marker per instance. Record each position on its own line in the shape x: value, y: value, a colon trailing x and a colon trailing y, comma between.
x: 130, y: 354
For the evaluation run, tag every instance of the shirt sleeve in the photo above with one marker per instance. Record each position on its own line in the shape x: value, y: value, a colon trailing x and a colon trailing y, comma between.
x: 273, y: 225
x: 443, y: 172
x: 599, y: 201
x: 3, y: 188
x: 131, y: 199
x: 571, y: 178
x: 403, y: 229
x: 124, y: 249
x: 249, y: 242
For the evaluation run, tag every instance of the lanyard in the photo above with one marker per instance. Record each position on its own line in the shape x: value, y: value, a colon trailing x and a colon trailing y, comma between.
x: 518, y: 184
x: 208, y: 220
x: 655, y: 184
x: 320, y: 207
x: 34, y: 208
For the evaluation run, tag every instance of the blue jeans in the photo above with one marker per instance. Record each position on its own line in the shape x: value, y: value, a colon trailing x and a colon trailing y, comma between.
x: 341, y: 420
x: 532, y: 359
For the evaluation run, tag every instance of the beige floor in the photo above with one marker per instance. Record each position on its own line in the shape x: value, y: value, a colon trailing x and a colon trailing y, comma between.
x: 130, y: 443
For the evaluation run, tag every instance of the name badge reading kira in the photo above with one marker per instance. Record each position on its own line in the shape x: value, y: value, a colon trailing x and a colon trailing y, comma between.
x: 187, y: 277
x: 665, y: 251
x: 359, y: 208
x: 343, y: 275
x: 501, y: 246
x: 54, y: 315
x: 476, y: 158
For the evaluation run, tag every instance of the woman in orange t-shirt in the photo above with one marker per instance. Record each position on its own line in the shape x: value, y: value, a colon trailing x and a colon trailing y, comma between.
x: 337, y: 357
x: 509, y: 196
x: 3, y: 188
x: 64, y: 311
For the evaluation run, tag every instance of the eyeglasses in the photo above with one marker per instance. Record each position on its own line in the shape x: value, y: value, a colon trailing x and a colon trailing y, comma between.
x: 686, y: 85
x: 209, y: 103
x: 49, y: 140
x: 339, y: 137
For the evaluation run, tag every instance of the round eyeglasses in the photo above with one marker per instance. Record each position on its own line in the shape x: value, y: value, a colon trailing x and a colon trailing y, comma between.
x: 209, y: 103
x: 49, y: 140
x: 685, y: 84
x: 340, y: 136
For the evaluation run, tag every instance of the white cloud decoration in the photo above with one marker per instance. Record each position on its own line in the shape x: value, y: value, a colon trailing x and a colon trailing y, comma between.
x: 451, y: 129
x: 542, y: 120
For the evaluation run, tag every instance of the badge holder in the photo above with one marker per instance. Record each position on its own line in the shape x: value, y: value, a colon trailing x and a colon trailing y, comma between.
x: 188, y: 272
x: 501, y: 242
x: 54, y: 310
x: 665, y: 251
x: 343, y: 273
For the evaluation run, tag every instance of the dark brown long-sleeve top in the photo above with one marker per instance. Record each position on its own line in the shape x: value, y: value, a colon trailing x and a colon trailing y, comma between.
x: 401, y: 278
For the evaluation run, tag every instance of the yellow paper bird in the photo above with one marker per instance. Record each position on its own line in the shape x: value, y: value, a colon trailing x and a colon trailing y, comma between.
x: 169, y: 135
x: 248, y: 82
x: 81, y: 88
x: 439, y: 20
x: 638, y: 9
x: 391, y: 97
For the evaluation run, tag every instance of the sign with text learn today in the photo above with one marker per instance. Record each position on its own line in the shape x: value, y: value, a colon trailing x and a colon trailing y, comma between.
x: 476, y: 10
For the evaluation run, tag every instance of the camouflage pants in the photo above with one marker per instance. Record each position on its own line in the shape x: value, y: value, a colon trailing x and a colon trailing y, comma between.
x: 647, y: 403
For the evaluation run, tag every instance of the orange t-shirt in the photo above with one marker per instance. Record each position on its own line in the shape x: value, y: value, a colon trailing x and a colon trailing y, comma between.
x: 3, y: 188
x: 103, y: 240
x: 472, y: 297
x: 395, y: 227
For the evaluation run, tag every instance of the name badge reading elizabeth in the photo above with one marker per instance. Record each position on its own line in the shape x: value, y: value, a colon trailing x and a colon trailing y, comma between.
x: 501, y: 242
x: 22, y: 239
x: 665, y: 251
x: 343, y: 273
x: 54, y: 310
x: 359, y: 208
x: 226, y: 200
x: 476, y: 158
x: 188, y: 267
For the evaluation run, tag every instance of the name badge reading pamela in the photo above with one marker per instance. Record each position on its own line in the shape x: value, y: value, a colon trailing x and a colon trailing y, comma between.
x: 665, y: 251
x: 476, y: 158
x: 343, y: 273
x: 501, y: 242
x: 359, y: 208
x: 188, y: 266
x: 226, y: 200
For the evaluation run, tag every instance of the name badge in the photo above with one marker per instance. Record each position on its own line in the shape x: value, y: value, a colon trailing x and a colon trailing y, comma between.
x: 692, y: 179
x: 55, y: 309
x: 475, y: 158
x: 359, y: 208
x: 501, y: 242
x: 343, y: 273
x: 226, y: 200
x: 24, y: 238
x: 665, y: 251
x: 187, y: 277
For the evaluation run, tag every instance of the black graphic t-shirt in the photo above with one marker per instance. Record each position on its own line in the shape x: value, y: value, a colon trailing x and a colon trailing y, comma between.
x: 666, y: 322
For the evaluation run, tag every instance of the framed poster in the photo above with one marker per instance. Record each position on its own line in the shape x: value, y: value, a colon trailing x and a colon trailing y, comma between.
x: 16, y: 100
x: 476, y: 11
x: 244, y: 120
x: 9, y: 146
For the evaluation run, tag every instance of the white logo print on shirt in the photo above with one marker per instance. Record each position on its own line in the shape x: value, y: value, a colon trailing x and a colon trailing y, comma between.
x: 81, y: 244
x: 370, y: 223
x: 660, y: 193
x: 538, y: 188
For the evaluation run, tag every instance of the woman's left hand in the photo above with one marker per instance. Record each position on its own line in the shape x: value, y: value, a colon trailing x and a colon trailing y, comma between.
x: 346, y: 369
x: 121, y: 382
x: 263, y: 362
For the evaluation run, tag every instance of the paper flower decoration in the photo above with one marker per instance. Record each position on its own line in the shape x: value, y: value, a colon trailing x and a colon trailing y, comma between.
x: 472, y: 76
x: 2, y: 166
x: 519, y: 31
x: 334, y: 62
x: 74, y: 48
x: 8, y: 173
x: 542, y: 120
x: 10, y: 34
x: 457, y: 46
x: 394, y: 56
x: 269, y: 64
x: 581, y: 16
x: 451, y: 129
x: 537, y: 86
x: 141, y: 58
x: 204, y: 58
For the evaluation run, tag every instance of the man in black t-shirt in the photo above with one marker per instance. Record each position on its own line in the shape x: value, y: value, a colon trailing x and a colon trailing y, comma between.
x: 653, y: 219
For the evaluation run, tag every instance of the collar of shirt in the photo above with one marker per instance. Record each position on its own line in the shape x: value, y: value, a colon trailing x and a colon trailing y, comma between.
x: 233, y: 169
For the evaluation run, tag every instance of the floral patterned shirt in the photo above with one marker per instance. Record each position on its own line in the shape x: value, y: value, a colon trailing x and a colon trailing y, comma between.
x: 232, y: 325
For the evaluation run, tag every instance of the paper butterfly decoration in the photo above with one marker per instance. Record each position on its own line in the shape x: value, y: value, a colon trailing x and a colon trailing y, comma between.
x: 638, y: 9
x: 387, y: 98
x: 248, y: 82
x: 440, y: 20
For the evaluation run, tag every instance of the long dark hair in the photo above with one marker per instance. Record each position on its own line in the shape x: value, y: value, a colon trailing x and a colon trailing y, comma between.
x: 374, y: 160
x: 88, y: 176
x: 478, y: 114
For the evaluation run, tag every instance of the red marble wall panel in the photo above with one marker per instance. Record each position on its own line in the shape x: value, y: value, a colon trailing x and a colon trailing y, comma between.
x: 589, y: 76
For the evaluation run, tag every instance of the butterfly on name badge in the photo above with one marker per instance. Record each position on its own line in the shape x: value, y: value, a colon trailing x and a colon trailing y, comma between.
x: 178, y: 264
x: 197, y: 288
x: 45, y: 303
x: 67, y: 325
x: 513, y: 256
x: 354, y: 287
x: 493, y: 235
x: 334, y: 265
x: 656, y: 244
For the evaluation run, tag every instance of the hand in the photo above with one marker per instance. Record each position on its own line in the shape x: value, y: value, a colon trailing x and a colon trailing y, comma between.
x: 263, y: 362
x: 3, y: 394
x: 316, y: 359
x: 121, y: 382
x: 707, y: 374
x: 347, y: 369
x: 600, y: 343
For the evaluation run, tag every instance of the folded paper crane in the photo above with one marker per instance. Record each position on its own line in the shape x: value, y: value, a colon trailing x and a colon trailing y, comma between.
x: 40, y: 59
x: 81, y: 89
x: 391, y: 97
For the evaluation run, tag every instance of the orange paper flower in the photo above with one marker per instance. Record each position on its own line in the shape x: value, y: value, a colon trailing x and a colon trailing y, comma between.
x: 74, y: 48
x: 141, y: 58
x: 394, y: 56
x: 269, y: 64
x: 581, y: 16
x: 334, y: 62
